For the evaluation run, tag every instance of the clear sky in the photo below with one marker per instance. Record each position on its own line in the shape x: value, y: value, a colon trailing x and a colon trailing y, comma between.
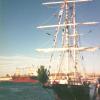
x: 19, y: 37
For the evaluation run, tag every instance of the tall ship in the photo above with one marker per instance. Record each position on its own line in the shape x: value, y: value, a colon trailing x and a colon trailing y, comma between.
x: 69, y: 80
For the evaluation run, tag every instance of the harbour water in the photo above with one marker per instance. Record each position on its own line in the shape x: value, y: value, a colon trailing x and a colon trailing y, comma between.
x: 24, y: 91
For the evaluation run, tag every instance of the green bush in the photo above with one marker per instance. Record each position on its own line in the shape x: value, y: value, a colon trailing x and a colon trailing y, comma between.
x: 43, y: 74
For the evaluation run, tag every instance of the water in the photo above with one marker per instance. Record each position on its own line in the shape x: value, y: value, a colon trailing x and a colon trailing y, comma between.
x: 24, y: 91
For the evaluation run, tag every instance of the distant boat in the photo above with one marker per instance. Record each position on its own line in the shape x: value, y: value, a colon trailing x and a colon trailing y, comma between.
x: 24, y: 79
x: 28, y: 77
x: 18, y: 77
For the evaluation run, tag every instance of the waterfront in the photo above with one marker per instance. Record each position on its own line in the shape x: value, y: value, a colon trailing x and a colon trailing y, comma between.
x: 24, y: 91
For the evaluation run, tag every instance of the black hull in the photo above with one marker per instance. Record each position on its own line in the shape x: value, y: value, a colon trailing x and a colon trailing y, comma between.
x: 71, y: 92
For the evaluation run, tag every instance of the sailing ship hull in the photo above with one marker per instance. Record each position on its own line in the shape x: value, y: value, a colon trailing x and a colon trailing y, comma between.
x: 71, y: 92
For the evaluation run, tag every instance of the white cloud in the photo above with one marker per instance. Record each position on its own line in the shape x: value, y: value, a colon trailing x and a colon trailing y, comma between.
x: 8, y: 64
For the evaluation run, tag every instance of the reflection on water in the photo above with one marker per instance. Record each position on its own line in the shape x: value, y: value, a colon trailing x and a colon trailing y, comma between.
x: 24, y: 91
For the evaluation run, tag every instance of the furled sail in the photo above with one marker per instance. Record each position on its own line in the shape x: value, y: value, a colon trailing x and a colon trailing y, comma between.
x: 61, y: 2
x: 66, y: 49
x: 70, y: 24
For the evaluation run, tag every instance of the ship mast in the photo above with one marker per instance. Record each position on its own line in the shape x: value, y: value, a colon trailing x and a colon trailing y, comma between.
x: 75, y: 38
x: 69, y: 32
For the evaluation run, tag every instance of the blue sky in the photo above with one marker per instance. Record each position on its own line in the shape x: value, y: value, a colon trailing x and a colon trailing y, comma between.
x: 19, y: 37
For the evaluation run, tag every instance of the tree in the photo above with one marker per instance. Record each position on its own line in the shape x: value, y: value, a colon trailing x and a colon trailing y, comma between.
x: 43, y: 74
